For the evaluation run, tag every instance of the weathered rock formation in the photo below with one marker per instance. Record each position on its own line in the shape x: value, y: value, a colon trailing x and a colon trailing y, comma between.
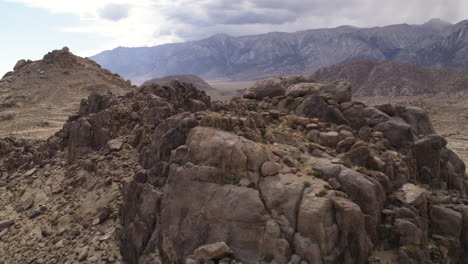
x: 303, y: 174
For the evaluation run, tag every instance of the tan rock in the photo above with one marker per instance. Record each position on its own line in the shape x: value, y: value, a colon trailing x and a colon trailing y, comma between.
x: 213, y: 251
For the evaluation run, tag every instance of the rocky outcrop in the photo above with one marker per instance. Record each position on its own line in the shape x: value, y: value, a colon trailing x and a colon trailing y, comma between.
x: 273, y: 180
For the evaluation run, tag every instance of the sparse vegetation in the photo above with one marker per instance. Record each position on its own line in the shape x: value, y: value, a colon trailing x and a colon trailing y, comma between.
x: 347, y: 163
x: 268, y: 257
x: 289, y: 100
x: 322, y: 193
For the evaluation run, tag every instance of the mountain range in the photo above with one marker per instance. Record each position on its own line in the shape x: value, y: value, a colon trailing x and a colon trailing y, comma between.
x: 222, y: 57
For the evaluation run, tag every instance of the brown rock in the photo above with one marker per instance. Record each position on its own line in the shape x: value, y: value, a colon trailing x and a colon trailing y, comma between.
x: 445, y: 221
x: 115, y: 144
x: 214, y: 251
x: 269, y: 168
x: 6, y: 224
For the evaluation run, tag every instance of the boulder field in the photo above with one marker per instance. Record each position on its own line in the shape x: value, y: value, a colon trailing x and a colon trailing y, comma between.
x: 298, y: 173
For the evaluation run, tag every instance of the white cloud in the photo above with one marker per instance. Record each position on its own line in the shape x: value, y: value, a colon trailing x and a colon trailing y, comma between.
x: 152, y: 22
x: 114, y: 12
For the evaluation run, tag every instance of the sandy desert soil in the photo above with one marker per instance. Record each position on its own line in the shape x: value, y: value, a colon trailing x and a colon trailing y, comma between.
x: 224, y: 91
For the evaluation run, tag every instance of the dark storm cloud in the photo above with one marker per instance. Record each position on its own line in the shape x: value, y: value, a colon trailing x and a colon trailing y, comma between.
x: 198, y: 19
x: 114, y: 12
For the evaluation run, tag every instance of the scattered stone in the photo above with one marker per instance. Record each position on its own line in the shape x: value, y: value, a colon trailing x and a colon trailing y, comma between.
x: 28, y: 203
x: 6, y: 224
x: 83, y: 254
x: 329, y: 138
x: 269, y: 168
x: 59, y: 244
x: 34, y: 213
x: 56, y: 188
x: 334, y: 183
x: 411, y: 194
x: 30, y: 172
x: 115, y: 144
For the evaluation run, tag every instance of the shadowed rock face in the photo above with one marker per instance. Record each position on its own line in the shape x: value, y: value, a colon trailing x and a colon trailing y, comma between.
x: 267, y: 180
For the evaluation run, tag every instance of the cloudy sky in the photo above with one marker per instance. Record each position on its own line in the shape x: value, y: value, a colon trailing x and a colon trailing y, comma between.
x: 31, y: 28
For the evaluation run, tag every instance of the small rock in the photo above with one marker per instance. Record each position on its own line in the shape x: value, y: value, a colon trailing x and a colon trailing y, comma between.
x: 6, y: 224
x: 27, y: 204
x: 45, y: 232
x: 115, y: 144
x: 334, y: 183
x: 329, y: 138
x: 134, y: 116
x: 59, y: 244
x: 34, y: 213
x: 93, y: 259
x: 83, y: 255
x: 269, y: 168
x: 289, y: 161
x: 56, y: 188
x: 30, y: 172
x: 104, y: 214
x: 213, y: 251
x: 190, y: 260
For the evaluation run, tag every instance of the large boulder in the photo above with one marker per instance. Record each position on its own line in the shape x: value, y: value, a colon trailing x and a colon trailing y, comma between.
x: 397, y: 132
x: 270, y: 87
x: 236, y: 157
x: 339, y: 91
x: 195, y: 211
x: 20, y: 64
x: 445, y: 221
x: 427, y: 151
x: 368, y: 194
x: 303, y: 89
x: 312, y: 106
x: 417, y: 118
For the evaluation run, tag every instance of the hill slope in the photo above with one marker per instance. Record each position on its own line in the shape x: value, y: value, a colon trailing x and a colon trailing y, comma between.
x: 222, y: 57
x: 370, y: 78
x: 38, y: 96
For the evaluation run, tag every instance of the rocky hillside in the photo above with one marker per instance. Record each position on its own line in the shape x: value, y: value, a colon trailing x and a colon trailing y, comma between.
x: 38, y: 96
x: 295, y: 171
x: 222, y: 57
x: 388, y: 78
x: 198, y: 82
